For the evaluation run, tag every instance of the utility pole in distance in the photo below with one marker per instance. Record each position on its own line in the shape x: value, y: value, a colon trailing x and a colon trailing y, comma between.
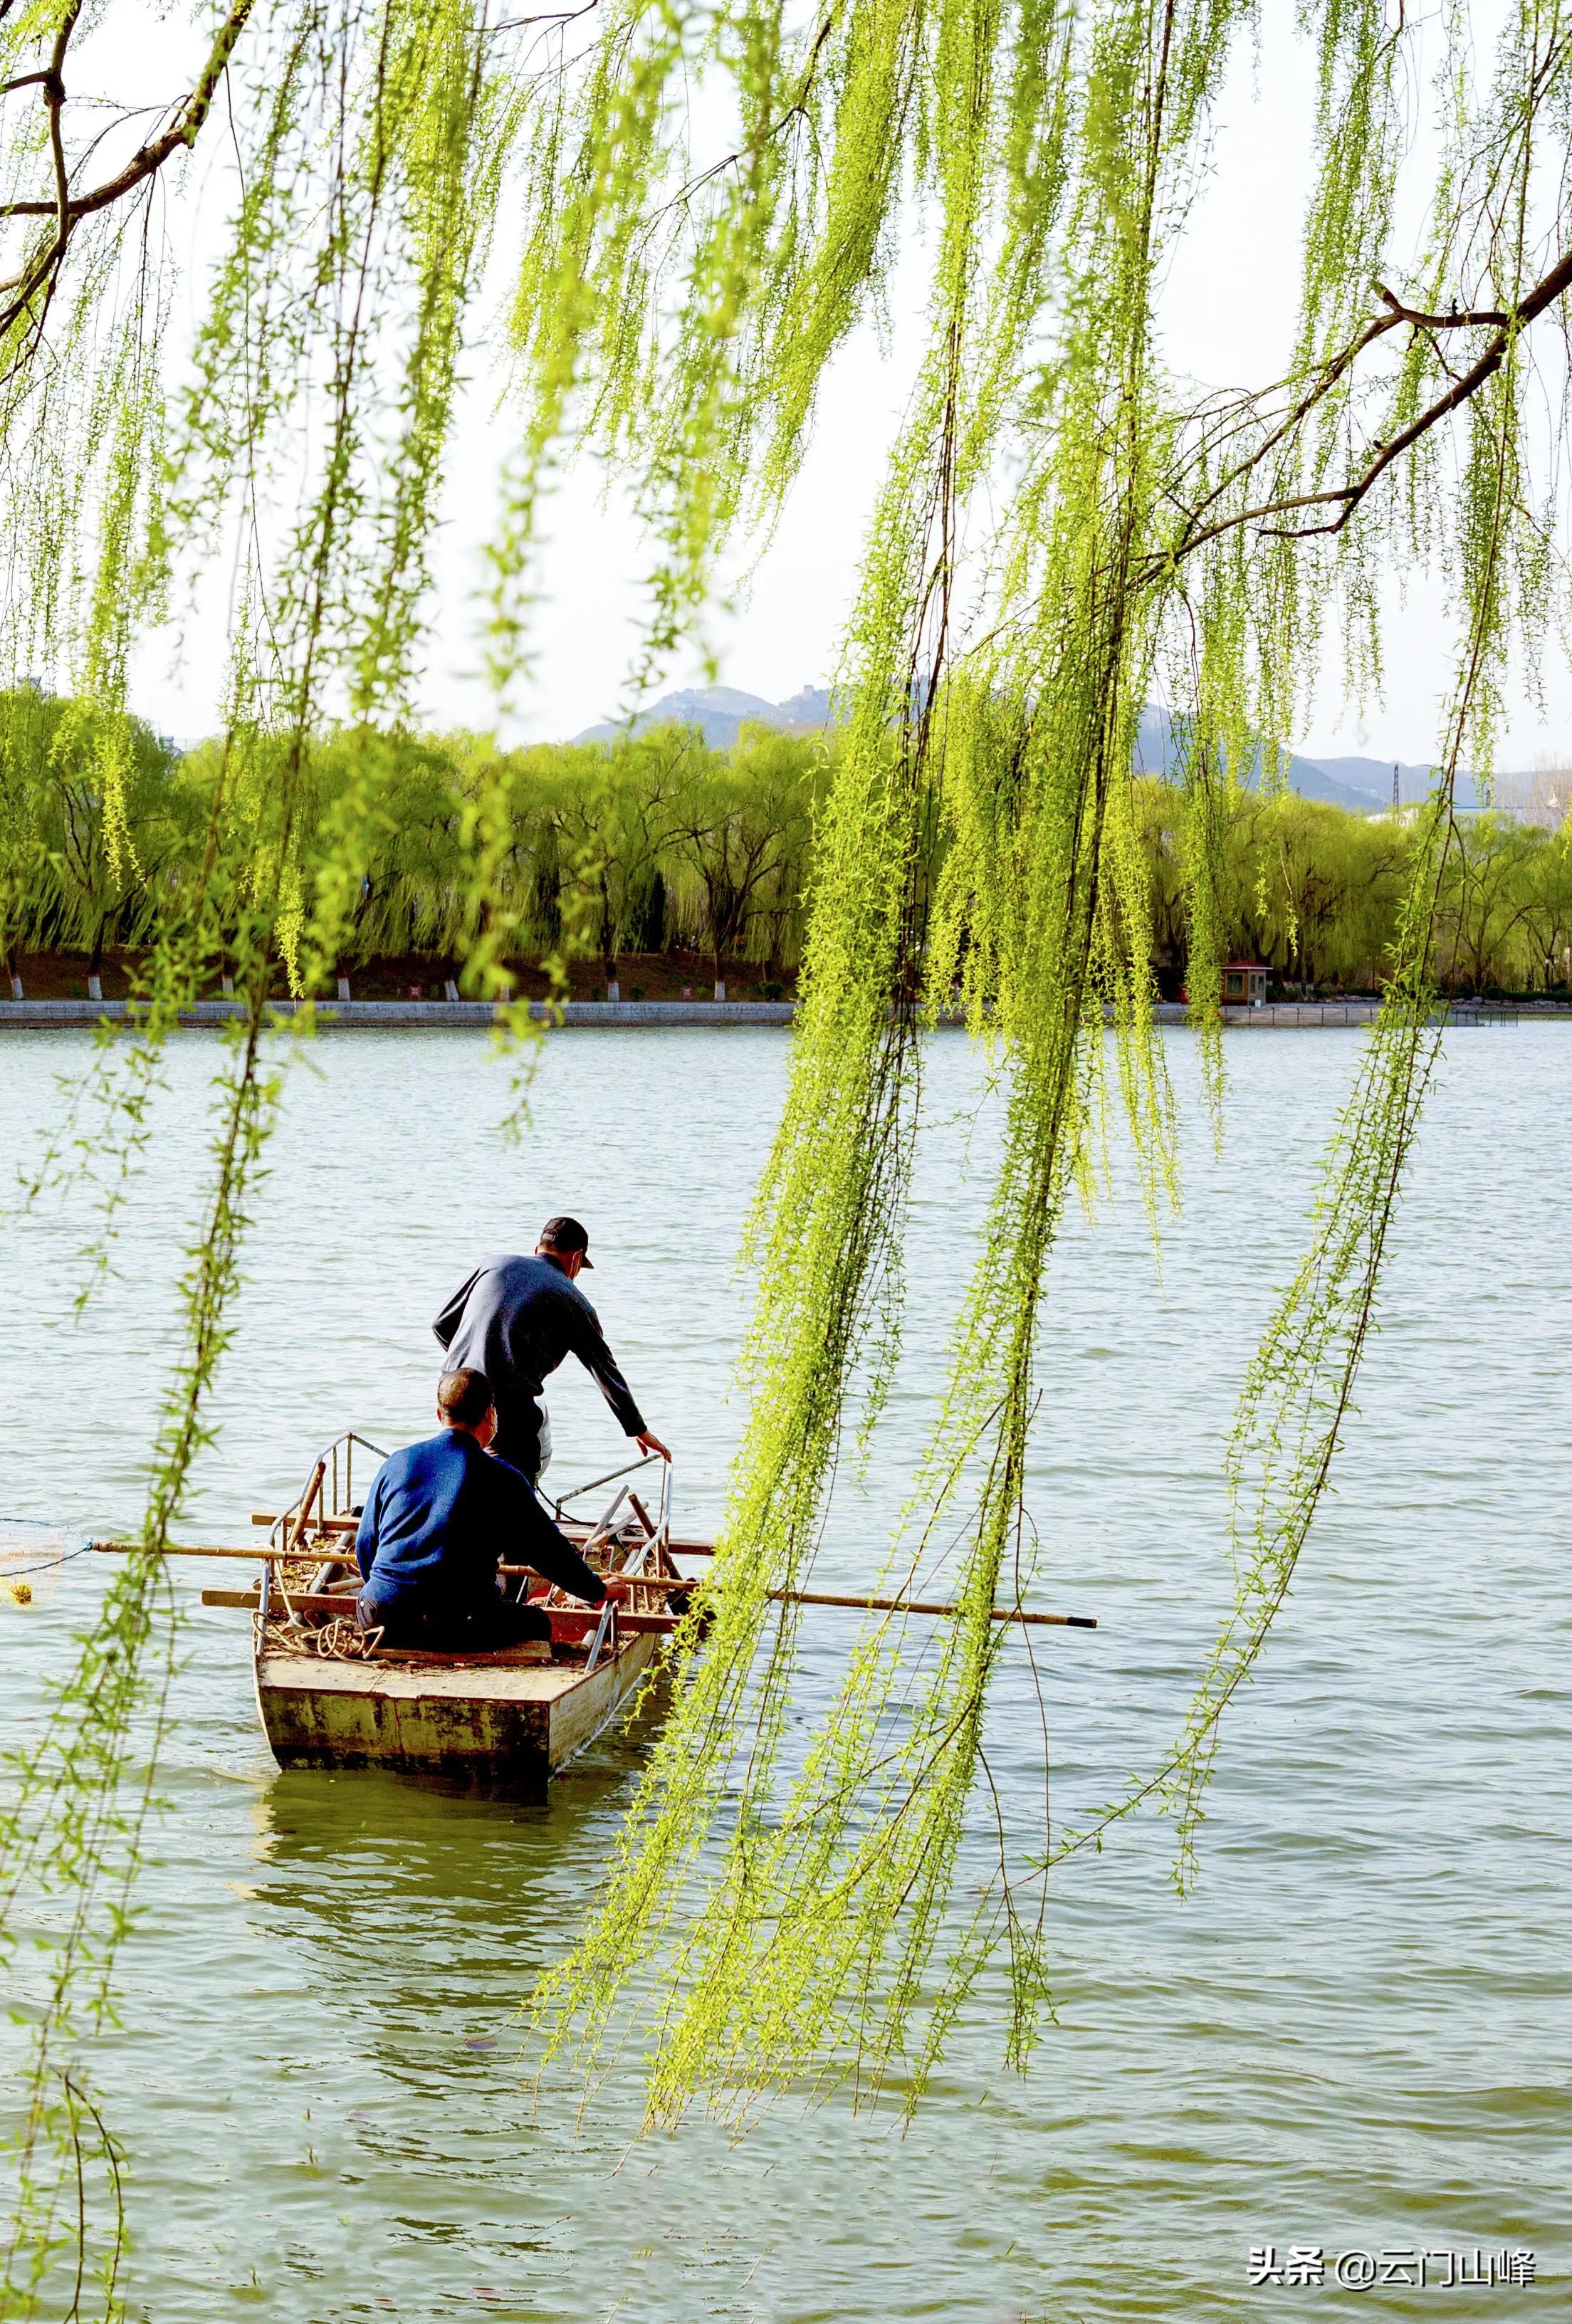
x: 1397, y: 789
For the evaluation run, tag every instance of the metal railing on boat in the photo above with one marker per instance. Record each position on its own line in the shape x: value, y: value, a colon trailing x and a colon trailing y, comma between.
x: 331, y: 1479
x: 334, y: 1468
x: 603, y: 1533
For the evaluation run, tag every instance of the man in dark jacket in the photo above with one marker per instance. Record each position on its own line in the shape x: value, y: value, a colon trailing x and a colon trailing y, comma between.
x: 515, y: 1320
x: 438, y: 1520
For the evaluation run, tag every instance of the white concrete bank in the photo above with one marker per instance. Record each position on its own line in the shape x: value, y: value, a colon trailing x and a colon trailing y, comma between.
x: 472, y: 1016
x: 477, y: 1016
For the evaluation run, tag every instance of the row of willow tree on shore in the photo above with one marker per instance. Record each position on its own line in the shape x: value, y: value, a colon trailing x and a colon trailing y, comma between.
x: 652, y: 843
x: 659, y: 843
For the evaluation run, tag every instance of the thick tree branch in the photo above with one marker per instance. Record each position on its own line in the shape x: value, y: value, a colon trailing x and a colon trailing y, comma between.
x: 150, y: 157
x: 27, y: 296
x: 1347, y: 497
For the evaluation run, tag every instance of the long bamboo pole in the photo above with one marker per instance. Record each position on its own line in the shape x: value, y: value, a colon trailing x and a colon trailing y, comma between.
x: 685, y: 1582
x: 932, y: 1606
x: 872, y: 1605
x: 258, y: 1556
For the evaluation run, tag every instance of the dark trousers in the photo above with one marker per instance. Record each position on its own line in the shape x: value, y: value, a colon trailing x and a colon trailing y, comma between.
x: 453, y: 1630
x: 524, y: 1440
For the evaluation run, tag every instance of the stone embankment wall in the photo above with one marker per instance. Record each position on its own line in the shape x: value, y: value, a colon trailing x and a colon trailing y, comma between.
x: 475, y: 1016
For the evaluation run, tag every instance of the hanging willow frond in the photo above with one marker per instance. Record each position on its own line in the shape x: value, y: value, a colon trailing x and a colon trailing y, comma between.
x: 1062, y: 529
x: 1143, y: 534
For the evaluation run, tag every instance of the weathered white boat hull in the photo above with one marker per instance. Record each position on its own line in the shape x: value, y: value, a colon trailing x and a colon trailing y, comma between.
x: 494, y: 1723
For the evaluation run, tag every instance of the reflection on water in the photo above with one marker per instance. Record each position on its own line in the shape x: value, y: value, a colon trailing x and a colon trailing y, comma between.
x: 459, y: 1885
x: 414, y: 1918
x: 424, y: 1854
x: 1355, y: 2034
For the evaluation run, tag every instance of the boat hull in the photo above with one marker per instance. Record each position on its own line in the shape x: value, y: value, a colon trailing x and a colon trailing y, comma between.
x: 491, y: 1724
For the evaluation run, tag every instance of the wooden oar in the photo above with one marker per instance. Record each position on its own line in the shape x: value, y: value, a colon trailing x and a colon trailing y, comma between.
x: 685, y: 1582
x: 246, y: 1601
x: 258, y: 1556
x: 886, y: 1605
x: 263, y: 1556
x: 930, y: 1606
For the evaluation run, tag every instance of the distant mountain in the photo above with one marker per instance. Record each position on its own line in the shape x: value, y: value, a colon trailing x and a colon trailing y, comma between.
x: 1372, y: 780
x: 1362, y: 785
x: 1157, y: 753
x: 720, y: 711
x: 812, y: 706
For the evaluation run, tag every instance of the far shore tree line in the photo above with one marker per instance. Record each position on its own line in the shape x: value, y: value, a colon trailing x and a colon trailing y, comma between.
x: 661, y: 853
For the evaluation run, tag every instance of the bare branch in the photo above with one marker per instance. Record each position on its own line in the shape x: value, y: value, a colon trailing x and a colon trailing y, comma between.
x: 157, y: 152
x: 30, y: 293
x: 1346, y: 498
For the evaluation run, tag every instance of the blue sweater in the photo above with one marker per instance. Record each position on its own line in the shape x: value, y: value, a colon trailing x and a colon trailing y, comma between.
x: 441, y: 1514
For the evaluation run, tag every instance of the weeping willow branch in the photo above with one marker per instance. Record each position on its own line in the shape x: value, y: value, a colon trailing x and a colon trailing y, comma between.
x: 1347, y: 497
x: 421, y: 128
x: 1299, y: 1390
x: 1062, y: 529
x: 83, y: 1789
x: 809, y: 1954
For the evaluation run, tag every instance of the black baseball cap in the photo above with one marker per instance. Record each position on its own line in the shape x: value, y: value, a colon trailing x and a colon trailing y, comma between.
x: 565, y: 1234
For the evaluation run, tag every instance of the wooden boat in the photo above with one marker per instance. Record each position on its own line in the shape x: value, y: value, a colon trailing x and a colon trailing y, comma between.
x: 329, y: 1697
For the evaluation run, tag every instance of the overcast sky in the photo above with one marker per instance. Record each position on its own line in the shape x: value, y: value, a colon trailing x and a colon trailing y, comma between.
x: 1228, y: 319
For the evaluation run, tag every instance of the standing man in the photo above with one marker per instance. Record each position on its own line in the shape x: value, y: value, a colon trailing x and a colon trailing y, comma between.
x: 515, y: 1320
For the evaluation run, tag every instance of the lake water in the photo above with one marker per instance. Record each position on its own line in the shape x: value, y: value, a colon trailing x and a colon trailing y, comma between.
x: 1355, y: 2034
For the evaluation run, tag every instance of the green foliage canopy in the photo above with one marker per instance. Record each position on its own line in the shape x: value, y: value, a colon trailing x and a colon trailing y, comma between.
x: 658, y: 843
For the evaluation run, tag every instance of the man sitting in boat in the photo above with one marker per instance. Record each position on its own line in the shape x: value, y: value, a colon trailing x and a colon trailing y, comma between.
x: 515, y: 1320
x: 438, y: 1518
